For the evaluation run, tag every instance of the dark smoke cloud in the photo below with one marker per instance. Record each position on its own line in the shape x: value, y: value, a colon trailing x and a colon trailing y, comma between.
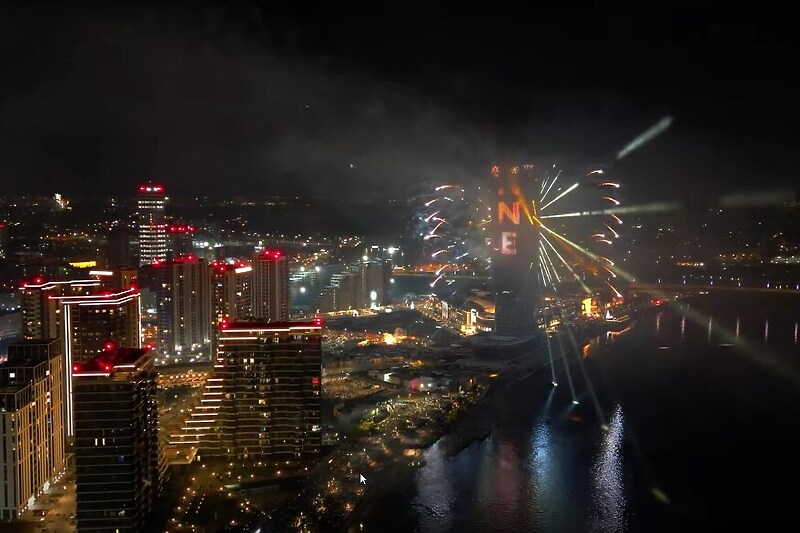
x: 101, y: 102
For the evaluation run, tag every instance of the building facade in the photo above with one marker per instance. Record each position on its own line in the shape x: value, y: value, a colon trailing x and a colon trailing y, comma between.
x: 118, y: 467
x: 32, y: 452
x: 118, y: 248
x: 364, y: 285
x: 180, y: 240
x: 231, y: 292
x: 262, y: 401
x: 184, y: 304
x: 151, y: 222
x: 41, y: 315
x: 270, y: 286
x: 92, y: 323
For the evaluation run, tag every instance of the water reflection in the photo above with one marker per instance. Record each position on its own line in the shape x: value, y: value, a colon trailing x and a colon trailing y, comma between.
x: 546, y: 504
x: 608, y: 494
x: 435, y: 492
x: 546, y: 467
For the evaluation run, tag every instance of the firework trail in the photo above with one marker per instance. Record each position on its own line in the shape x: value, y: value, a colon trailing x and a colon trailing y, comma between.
x: 648, y: 135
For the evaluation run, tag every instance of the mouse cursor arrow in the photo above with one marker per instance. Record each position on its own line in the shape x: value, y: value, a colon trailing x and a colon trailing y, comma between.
x: 362, y: 479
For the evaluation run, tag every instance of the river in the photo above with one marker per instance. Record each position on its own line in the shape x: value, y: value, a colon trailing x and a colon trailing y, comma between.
x: 688, y: 421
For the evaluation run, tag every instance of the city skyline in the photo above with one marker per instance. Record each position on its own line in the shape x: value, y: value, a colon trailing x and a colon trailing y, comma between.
x: 281, y: 267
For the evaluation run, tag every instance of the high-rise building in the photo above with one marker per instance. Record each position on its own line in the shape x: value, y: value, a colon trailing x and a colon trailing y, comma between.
x: 40, y: 312
x: 32, y: 412
x: 151, y: 223
x: 93, y: 323
x: 231, y: 291
x: 514, y: 287
x: 118, y: 467
x: 262, y: 401
x: 184, y: 304
x: 270, y: 286
x: 343, y: 293
x: 180, y: 239
x: 3, y: 239
x: 374, y: 283
x: 363, y: 286
x: 118, y: 248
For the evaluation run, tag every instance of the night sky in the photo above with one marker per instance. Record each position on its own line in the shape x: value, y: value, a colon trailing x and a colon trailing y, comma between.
x: 304, y: 99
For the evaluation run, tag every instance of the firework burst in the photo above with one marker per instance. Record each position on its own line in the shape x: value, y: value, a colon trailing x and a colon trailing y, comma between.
x: 573, y: 244
x: 452, y: 224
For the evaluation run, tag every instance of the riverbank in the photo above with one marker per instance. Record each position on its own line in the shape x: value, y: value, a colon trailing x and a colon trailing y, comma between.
x: 398, y: 481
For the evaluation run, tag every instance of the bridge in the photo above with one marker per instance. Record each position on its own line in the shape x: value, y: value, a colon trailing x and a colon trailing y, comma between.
x: 432, y: 275
x: 693, y: 289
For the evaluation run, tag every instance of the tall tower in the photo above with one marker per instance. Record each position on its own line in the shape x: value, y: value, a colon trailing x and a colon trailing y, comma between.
x: 151, y: 223
x: 512, y: 277
x: 270, y: 286
x: 184, y: 304
x: 32, y: 413
x: 262, y: 401
x: 118, y: 465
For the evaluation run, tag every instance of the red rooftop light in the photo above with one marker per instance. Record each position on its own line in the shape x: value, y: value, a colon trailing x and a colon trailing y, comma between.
x: 151, y: 188
x: 76, y: 368
x: 108, y: 346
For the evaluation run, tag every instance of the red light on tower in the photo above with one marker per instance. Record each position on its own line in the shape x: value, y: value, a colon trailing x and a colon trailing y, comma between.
x: 223, y: 324
x: 76, y: 368
x: 38, y: 280
x: 108, y: 346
